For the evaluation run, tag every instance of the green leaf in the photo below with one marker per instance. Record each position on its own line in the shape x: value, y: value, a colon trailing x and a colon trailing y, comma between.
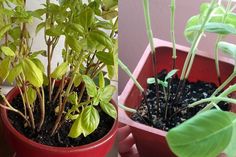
x: 109, y: 109
x: 14, y: 73
x: 110, y: 14
x: 60, y: 70
x: 78, y: 80
x: 111, y: 71
x: 107, y: 93
x: 4, y: 29
x: 73, y: 43
x: 90, y: 119
x: 215, y: 27
x: 86, y: 18
x: 73, y: 98
x: 76, y: 129
x: 104, y: 25
x: 170, y: 74
x: 231, y: 148
x: 55, y: 31
x: 101, y: 80
x: 39, y: 27
x: 32, y: 73
x: 227, y: 48
x: 77, y: 27
x: 105, y: 57
x: 38, y: 63
x: 35, y: 54
x: 101, y: 38
x: 90, y: 86
x: 206, y: 134
x: 108, y: 4
x: 7, y: 51
x: 32, y: 95
x: 5, y: 68
x: 151, y: 80
x: 15, y: 33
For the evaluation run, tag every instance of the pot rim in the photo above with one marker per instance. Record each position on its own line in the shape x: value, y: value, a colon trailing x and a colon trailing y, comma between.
x: 36, y: 145
x: 158, y: 43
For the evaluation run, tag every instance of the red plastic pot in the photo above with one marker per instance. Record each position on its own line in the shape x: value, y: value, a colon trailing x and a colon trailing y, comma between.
x: 151, y: 142
x: 25, y: 147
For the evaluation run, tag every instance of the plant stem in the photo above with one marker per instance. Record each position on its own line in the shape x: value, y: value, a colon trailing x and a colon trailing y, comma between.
x: 127, y: 108
x: 150, y: 38
x: 230, y: 100
x: 42, y: 107
x: 62, y: 106
x: 128, y: 72
x: 172, y: 27
x: 219, y: 38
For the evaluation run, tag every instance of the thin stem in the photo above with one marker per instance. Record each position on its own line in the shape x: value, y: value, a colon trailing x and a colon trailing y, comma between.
x: 230, y: 100
x: 189, y: 61
x: 172, y: 27
x: 42, y: 107
x: 126, y: 108
x: 219, y: 38
x: 128, y: 72
x: 150, y: 38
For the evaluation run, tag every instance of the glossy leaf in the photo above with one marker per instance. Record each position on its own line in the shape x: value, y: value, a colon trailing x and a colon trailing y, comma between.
x: 7, y: 51
x: 4, y: 29
x: 101, y: 38
x: 32, y: 95
x: 110, y: 14
x: 60, y: 70
x: 104, y: 25
x: 227, y: 48
x: 86, y: 18
x: 90, y: 119
x: 73, y: 98
x: 171, y: 74
x: 76, y: 130
x: 78, y: 80
x: 40, y: 27
x: 90, y: 86
x: 73, y: 43
x: 14, y: 72
x: 101, y: 80
x: 5, y: 68
x: 38, y: 63
x: 105, y: 57
x: 32, y: 73
x: 107, y: 93
x: 109, y: 109
x: 206, y: 134
x: 215, y: 27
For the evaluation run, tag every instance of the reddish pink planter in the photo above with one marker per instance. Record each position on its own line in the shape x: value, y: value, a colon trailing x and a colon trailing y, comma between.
x: 151, y: 142
x: 25, y: 147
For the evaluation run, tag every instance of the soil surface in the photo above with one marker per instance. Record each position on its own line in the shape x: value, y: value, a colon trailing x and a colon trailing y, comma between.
x: 192, y: 92
x: 61, y: 138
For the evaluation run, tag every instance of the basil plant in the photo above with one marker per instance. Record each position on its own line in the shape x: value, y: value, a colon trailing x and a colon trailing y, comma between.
x: 89, y: 32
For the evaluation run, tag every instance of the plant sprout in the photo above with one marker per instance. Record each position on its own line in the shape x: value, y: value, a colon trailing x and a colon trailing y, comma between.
x: 172, y: 29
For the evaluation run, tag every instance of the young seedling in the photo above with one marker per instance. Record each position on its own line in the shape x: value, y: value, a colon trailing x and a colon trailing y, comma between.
x: 172, y: 29
x: 164, y: 84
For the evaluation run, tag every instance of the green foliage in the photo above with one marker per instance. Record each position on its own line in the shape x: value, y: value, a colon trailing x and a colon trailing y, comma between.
x: 204, y: 131
x: 60, y: 70
x: 228, y: 48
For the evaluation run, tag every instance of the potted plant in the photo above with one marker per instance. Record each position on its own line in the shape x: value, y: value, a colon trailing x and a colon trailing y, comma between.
x: 214, y: 18
x: 67, y: 111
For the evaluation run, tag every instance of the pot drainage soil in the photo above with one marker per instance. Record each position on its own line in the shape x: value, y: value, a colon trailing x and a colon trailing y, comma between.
x: 192, y: 92
x: 61, y: 138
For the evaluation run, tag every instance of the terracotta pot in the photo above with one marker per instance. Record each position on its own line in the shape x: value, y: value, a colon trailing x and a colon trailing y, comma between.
x: 25, y: 147
x: 151, y: 142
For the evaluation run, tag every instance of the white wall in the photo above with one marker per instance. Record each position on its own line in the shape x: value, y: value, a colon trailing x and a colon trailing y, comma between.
x: 132, y: 35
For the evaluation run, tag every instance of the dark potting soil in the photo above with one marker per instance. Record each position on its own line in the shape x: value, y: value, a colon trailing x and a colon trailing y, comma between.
x: 60, y: 139
x: 192, y: 92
